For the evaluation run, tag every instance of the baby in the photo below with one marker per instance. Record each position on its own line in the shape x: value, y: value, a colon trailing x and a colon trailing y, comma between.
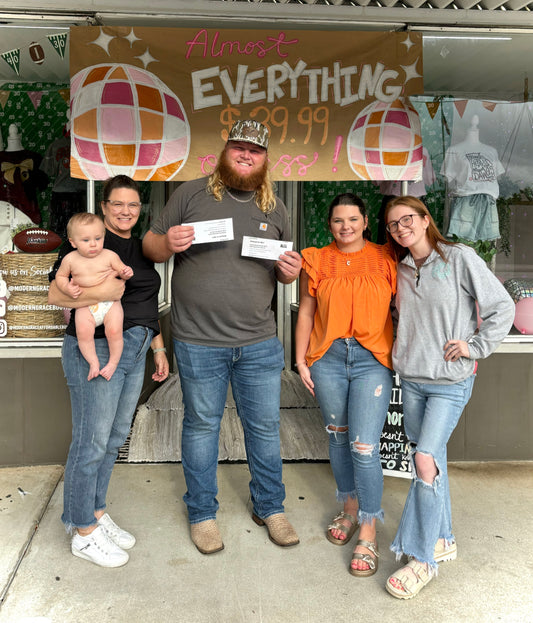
x: 89, y: 265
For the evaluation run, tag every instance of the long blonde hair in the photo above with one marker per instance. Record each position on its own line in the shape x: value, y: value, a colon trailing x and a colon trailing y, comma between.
x: 264, y: 195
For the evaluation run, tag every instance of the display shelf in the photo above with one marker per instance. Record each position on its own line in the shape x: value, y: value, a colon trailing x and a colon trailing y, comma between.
x: 20, y: 348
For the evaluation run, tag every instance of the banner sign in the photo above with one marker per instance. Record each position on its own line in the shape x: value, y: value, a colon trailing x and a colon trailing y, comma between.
x: 157, y: 103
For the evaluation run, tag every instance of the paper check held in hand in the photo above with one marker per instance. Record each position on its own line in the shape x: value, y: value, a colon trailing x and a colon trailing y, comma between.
x: 264, y: 248
x: 216, y: 230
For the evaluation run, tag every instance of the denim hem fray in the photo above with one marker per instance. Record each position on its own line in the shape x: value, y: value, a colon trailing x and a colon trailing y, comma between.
x: 367, y: 518
x: 343, y: 496
x: 448, y: 540
x: 399, y: 553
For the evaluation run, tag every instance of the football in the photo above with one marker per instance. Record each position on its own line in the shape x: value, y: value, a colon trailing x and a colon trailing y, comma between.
x: 36, y: 240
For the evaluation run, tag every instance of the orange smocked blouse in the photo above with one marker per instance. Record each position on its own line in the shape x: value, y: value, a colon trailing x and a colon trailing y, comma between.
x: 353, y: 293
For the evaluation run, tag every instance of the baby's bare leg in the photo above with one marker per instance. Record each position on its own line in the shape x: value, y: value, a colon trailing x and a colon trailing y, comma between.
x: 85, y: 326
x: 113, y: 330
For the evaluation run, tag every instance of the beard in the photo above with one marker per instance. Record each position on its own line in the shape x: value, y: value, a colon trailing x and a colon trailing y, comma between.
x: 233, y: 180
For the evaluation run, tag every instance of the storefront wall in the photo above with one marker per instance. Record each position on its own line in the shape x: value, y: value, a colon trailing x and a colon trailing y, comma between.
x: 497, y: 423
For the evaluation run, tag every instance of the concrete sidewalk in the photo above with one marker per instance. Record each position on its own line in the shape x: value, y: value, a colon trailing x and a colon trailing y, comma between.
x: 252, y: 580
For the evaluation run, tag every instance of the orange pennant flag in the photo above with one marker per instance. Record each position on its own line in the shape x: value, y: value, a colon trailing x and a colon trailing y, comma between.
x: 489, y: 105
x: 4, y: 96
x: 433, y: 108
x: 65, y: 94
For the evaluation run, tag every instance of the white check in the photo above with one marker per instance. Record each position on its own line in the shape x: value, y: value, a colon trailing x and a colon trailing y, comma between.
x: 264, y: 248
x: 217, y: 230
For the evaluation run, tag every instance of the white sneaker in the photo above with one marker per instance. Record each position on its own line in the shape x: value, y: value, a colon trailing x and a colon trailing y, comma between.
x: 97, y: 547
x: 120, y: 537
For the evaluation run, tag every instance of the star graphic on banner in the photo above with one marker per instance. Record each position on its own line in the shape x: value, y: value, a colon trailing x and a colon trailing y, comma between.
x: 103, y: 41
x: 410, y: 71
x: 132, y: 38
x: 408, y: 43
x: 147, y: 58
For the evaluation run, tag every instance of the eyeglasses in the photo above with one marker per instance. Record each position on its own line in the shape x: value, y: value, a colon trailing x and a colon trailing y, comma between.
x: 405, y: 221
x: 119, y: 205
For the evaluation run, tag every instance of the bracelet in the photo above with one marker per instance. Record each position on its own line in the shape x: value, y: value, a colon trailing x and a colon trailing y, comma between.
x: 159, y: 350
x: 302, y: 363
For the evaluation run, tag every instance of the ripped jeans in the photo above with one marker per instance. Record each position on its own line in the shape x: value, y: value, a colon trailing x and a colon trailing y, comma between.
x: 431, y: 413
x: 353, y: 390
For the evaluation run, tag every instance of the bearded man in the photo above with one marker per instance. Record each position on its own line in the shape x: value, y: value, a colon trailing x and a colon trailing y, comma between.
x: 224, y: 330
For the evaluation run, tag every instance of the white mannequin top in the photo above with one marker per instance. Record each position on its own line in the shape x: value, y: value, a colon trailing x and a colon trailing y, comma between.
x: 10, y: 219
x: 13, y: 140
x: 471, y: 167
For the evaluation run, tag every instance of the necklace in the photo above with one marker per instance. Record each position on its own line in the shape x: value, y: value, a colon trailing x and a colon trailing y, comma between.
x: 237, y: 198
x: 348, y: 262
x: 418, y: 262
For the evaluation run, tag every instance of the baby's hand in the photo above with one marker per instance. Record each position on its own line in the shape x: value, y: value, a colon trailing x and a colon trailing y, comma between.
x: 73, y: 289
x: 126, y: 272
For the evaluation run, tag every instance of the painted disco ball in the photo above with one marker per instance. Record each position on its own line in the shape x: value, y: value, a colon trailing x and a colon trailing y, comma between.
x: 125, y: 120
x: 385, y: 142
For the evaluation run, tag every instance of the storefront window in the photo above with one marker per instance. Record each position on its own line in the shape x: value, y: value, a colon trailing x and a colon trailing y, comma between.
x: 37, y: 198
x: 477, y: 131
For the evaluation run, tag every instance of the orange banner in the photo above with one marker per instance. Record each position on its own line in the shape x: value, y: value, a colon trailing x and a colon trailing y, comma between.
x: 157, y: 103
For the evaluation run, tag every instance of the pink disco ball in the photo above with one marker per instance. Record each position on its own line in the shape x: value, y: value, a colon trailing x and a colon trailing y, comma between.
x: 385, y: 142
x: 125, y: 120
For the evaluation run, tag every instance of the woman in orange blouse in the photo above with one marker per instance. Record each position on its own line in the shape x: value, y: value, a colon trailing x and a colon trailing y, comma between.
x: 343, y: 355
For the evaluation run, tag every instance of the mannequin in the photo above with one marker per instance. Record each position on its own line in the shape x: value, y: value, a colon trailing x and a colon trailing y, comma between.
x: 13, y: 140
x: 471, y: 169
x: 11, y: 220
x: 20, y: 177
x: 472, y: 134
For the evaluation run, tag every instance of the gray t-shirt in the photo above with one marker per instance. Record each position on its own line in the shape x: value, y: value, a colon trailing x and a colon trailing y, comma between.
x: 220, y: 298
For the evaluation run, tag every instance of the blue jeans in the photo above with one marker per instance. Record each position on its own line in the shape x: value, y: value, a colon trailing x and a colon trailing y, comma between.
x: 431, y: 413
x: 353, y: 390
x: 102, y: 412
x: 255, y: 375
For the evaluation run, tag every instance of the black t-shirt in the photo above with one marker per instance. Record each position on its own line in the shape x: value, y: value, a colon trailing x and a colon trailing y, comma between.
x: 140, y: 299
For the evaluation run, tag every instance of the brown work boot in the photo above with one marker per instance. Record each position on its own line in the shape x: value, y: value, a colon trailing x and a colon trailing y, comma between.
x: 279, y: 529
x: 206, y: 536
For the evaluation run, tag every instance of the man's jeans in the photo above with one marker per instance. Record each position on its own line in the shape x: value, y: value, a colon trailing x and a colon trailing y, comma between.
x: 101, y: 418
x: 255, y: 375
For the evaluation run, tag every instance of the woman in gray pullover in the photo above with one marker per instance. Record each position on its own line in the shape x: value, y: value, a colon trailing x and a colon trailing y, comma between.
x: 438, y: 341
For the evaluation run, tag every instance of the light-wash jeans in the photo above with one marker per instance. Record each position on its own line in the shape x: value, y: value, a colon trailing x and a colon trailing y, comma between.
x: 102, y: 412
x: 255, y: 375
x: 353, y: 390
x: 431, y: 413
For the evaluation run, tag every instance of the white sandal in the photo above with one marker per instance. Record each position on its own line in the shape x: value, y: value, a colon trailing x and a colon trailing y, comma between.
x: 412, y: 578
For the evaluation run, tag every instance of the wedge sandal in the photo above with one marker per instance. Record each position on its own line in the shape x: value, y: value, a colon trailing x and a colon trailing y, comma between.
x: 348, y: 531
